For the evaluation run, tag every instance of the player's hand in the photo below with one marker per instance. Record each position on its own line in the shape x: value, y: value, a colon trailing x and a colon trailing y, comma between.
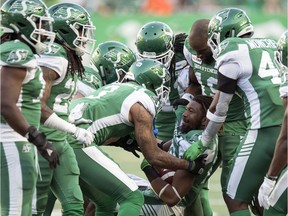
x: 44, y: 147
x: 264, y: 192
x: 196, y: 167
x: 84, y: 136
x: 128, y: 144
x: 144, y: 164
x: 194, y: 151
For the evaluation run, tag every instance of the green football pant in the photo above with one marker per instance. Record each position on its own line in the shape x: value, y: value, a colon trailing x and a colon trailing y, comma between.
x: 251, y: 161
x: 102, y: 174
x: 18, y: 177
x: 63, y: 181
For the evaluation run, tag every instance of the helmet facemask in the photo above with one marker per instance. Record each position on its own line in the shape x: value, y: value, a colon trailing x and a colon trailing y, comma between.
x: 165, y: 58
x: 84, y: 42
x: 30, y: 20
x: 42, y: 32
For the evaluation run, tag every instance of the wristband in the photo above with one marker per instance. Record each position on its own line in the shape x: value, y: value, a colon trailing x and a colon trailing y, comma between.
x: 191, y: 166
x: 56, y: 122
x: 187, y: 96
x: 215, y: 118
x: 273, y: 178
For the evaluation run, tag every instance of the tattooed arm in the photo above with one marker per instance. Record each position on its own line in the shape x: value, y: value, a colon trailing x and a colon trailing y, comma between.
x: 147, y: 142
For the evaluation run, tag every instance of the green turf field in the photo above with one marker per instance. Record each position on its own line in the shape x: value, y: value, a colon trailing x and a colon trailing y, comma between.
x: 131, y: 164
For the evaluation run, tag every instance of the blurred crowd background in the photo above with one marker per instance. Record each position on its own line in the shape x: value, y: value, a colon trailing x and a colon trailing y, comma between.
x: 120, y: 20
x: 167, y: 7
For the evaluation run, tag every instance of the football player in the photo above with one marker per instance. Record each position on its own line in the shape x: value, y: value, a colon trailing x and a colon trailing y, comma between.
x: 203, y: 79
x: 116, y: 110
x: 185, y: 187
x: 26, y: 26
x: 156, y: 40
x: 245, y: 67
x: 273, y: 191
x: 61, y: 65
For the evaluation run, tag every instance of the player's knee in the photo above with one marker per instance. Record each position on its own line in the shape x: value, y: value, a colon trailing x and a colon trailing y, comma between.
x: 135, y: 198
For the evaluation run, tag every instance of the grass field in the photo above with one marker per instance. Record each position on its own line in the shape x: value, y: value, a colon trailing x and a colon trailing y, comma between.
x: 130, y: 164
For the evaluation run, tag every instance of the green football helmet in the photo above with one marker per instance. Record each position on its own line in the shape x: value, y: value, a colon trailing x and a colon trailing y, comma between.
x: 154, y: 76
x: 30, y: 20
x: 155, y: 40
x: 281, y: 57
x: 73, y: 27
x: 112, y: 59
x: 229, y: 22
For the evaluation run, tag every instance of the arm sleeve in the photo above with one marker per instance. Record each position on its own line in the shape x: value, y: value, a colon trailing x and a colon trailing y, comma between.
x: 221, y: 110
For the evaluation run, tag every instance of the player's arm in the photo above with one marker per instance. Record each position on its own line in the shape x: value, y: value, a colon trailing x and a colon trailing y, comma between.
x: 11, y: 84
x: 194, y: 87
x: 172, y: 193
x: 279, y: 160
x: 147, y: 142
x: 52, y: 120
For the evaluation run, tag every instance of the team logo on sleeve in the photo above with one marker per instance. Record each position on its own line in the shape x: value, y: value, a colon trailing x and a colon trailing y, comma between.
x: 52, y: 49
x: 17, y: 56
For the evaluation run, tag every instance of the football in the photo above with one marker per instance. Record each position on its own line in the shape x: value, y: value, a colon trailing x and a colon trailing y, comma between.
x: 167, y: 175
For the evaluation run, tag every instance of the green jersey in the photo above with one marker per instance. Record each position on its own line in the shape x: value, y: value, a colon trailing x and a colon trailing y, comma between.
x: 253, y: 76
x: 90, y: 82
x: 19, y: 55
x: 108, y: 108
x: 55, y: 57
x: 206, y: 75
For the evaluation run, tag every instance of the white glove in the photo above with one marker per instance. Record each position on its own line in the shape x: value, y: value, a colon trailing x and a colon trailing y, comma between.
x: 84, y: 136
x: 264, y: 192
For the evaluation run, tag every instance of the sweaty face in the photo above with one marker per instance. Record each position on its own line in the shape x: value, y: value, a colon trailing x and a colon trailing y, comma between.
x: 192, y: 117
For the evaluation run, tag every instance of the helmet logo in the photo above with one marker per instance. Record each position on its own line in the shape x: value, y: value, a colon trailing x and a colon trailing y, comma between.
x: 65, y: 13
x: 52, y: 49
x: 17, y: 56
x: 22, y: 6
x: 117, y: 57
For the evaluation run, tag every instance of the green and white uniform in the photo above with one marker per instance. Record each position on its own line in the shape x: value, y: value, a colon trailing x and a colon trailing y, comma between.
x: 165, y: 119
x: 278, y: 197
x: 180, y: 143
x: 108, y: 107
x: 17, y: 155
x: 64, y: 180
x: 90, y: 81
x: 246, y: 67
x: 235, y: 125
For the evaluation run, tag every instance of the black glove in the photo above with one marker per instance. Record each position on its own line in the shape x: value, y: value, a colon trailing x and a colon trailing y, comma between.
x: 196, y: 167
x: 128, y: 144
x: 180, y: 101
x: 44, y: 147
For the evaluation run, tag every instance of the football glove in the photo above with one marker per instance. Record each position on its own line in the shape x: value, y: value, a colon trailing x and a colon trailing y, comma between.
x: 264, y: 192
x: 128, y: 144
x: 44, y: 147
x: 196, y: 167
x: 194, y: 151
x: 180, y: 101
x: 84, y: 136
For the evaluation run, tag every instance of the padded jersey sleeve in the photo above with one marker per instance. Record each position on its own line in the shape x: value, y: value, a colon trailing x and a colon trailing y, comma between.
x: 231, y: 66
x: 55, y: 58
x: 139, y: 96
x: 17, y: 54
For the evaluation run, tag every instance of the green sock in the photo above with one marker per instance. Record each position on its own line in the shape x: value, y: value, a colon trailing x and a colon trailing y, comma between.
x: 245, y: 212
